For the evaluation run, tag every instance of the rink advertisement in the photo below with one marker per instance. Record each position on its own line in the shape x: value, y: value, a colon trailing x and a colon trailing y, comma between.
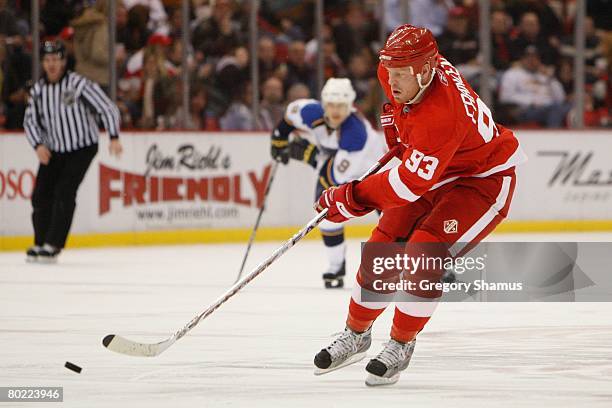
x: 569, y: 174
x: 167, y: 181
x: 199, y: 183
x: 216, y: 181
x: 18, y: 166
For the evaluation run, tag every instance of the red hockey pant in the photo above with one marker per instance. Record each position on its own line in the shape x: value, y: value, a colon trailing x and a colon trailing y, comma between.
x: 459, y: 214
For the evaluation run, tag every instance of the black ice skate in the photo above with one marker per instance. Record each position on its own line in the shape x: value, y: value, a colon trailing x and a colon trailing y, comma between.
x: 385, y: 369
x: 48, y: 254
x: 32, y: 253
x: 348, y: 348
x: 335, y: 278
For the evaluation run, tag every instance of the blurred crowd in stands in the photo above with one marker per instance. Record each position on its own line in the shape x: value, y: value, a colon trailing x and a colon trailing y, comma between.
x: 532, y: 47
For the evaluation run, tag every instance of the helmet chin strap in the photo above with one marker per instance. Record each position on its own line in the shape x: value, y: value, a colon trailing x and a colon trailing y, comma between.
x: 422, y: 87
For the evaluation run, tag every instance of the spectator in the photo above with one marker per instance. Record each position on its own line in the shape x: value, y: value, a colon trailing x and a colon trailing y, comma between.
x: 202, y: 9
x: 565, y: 73
x: 289, y: 32
x: 15, y: 87
x: 55, y: 15
x: 271, y: 108
x: 353, y: 33
x: 232, y: 72
x: 175, y: 57
x: 158, y: 89
x: 217, y: 35
x: 501, y: 23
x: 137, y: 33
x: 199, y: 115
x: 175, y: 23
x: 600, y: 10
x: 533, y: 93
x: 122, y: 24
x: 297, y: 91
x: 266, y: 54
x: 365, y: 84
x: 529, y: 34
x: 360, y: 76
x: 91, y: 44
x: 239, y: 115
x: 296, y: 68
x: 592, y: 52
x: 8, y: 21
x: 157, y: 21
x: 594, y: 114
x: 458, y: 44
x: 159, y: 44
x: 431, y: 14
x: 332, y: 64
x: 312, y: 46
x: 200, y: 118
x: 550, y: 24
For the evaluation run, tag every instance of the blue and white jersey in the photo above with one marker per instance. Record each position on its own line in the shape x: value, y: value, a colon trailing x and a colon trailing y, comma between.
x: 357, y: 146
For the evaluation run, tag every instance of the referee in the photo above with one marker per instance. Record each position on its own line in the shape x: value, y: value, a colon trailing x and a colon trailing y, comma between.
x: 61, y: 125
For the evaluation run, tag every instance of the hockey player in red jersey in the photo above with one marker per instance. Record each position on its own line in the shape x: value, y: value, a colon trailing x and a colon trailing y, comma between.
x: 453, y: 187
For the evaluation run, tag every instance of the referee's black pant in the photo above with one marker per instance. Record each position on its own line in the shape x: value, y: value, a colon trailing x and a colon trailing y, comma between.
x: 54, y: 196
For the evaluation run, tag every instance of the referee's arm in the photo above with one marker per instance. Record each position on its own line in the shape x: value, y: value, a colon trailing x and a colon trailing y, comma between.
x: 99, y: 102
x: 33, y: 131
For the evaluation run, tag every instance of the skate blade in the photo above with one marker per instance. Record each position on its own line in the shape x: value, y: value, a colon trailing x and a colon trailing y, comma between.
x: 47, y: 260
x: 31, y: 259
x: 376, y: 381
x: 353, y: 359
x: 333, y: 284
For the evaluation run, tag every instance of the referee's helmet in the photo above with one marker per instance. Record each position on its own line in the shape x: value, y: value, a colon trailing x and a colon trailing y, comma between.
x: 52, y: 47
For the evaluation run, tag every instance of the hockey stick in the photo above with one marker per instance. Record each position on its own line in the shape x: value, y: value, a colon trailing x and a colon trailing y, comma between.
x: 261, y: 211
x: 122, y: 345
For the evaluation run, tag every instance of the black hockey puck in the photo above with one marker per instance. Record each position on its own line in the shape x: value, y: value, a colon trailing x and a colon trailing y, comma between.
x: 73, y: 367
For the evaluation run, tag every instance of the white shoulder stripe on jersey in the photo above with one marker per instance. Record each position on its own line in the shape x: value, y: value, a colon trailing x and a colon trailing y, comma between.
x: 517, y: 158
x: 399, y: 187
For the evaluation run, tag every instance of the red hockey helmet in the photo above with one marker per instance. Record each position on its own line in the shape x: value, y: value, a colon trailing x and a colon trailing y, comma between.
x: 409, y: 46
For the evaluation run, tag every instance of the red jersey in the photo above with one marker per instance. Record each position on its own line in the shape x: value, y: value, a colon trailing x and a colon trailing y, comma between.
x: 448, y: 134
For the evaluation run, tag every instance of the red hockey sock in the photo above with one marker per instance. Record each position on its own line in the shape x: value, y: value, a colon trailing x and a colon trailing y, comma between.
x: 406, y: 327
x: 361, y: 318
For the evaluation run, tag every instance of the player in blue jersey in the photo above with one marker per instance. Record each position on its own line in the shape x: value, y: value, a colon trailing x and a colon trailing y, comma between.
x: 339, y: 143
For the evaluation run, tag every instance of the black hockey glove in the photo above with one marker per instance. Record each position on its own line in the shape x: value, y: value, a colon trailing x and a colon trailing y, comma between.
x: 280, y: 150
x: 302, y: 149
x: 325, y: 174
x: 280, y: 142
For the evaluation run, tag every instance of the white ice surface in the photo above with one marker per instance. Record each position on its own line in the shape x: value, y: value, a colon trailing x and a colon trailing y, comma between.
x: 257, y: 349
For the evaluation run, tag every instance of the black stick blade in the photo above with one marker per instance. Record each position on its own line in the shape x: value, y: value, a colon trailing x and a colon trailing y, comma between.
x: 107, y: 340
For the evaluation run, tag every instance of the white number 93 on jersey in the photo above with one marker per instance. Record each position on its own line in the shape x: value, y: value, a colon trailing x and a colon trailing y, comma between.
x: 424, y: 166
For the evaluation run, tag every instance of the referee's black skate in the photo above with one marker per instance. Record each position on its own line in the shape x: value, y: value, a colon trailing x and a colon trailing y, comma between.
x: 48, y: 254
x: 348, y: 348
x: 32, y: 253
x: 385, y: 369
x: 334, y: 278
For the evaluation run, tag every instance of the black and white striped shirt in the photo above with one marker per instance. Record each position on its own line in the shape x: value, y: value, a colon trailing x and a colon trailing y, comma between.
x: 62, y: 115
